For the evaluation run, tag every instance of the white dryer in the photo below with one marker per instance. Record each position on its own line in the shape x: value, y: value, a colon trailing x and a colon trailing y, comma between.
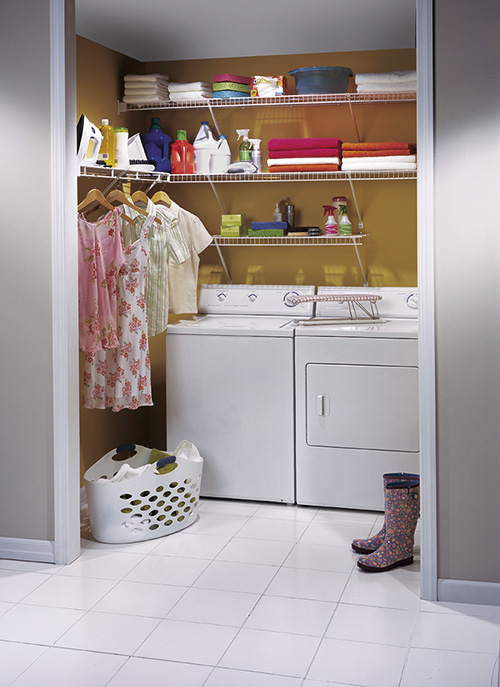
x: 356, y: 400
x: 230, y: 389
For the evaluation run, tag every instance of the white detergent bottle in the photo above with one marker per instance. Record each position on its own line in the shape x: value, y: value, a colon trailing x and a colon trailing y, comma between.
x: 220, y: 158
x: 256, y: 153
x: 204, y: 145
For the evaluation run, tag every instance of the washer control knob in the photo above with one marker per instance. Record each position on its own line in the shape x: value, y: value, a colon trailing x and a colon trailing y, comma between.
x: 288, y: 299
x: 412, y: 301
x: 221, y: 296
x: 252, y: 297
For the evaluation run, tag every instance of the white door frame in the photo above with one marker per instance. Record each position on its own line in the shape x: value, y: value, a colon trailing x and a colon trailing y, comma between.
x: 66, y: 452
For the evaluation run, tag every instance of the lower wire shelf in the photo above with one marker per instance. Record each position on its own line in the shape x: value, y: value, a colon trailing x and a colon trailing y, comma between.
x: 280, y: 241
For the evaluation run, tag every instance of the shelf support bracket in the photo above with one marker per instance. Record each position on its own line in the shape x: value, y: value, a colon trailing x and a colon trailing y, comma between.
x: 216, y: 194
x: 213, y: 119
x: 360, y: 219
x: 353, y: 117
x: 365, y: 280
x: 223, y: 262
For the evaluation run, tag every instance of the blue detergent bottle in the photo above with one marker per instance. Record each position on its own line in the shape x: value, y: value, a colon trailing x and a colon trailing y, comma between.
x: 156, y: 144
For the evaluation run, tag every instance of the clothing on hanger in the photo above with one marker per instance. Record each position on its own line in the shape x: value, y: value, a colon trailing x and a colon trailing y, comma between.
x: 166, y: 246
x: 121, y: 377
x: 100, y: 257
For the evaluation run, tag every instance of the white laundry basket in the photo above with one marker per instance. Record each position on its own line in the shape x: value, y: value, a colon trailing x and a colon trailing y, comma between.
x: 148, y: 505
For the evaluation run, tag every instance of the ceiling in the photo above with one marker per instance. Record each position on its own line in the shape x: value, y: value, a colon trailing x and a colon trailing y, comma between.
x: 150, y: 30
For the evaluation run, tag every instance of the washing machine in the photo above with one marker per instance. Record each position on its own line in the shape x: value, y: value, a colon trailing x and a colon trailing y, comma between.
x: 230, y: 389
x: 356, y: 397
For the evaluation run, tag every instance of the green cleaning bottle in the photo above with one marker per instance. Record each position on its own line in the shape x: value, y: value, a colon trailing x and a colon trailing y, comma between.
x: 245, y: 145
x: 345, y: 226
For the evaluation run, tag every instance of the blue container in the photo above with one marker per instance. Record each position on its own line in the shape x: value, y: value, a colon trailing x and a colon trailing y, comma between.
x: 156, y: 144
x: 318, y: 80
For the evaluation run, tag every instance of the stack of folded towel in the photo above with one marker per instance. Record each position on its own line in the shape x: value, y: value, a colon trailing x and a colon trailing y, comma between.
x: 304, y: 154
x: 145, y: 88
x: 394, y: 155
x: 194, y: 90
x: 231, y: 86
x: 386, y: 82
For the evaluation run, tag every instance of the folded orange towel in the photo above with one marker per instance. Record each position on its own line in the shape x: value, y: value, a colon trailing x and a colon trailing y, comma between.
x: 303, y: 168
x: 384, y: 145
x: 377, y: 153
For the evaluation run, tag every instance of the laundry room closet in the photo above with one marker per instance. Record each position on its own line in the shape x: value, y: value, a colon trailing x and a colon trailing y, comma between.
x: 386, y: 207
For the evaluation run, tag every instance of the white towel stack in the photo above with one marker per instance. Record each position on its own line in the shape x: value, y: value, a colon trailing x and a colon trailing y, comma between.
x: 386, y: 82
x: 194, y: 90
x: 145, y: 88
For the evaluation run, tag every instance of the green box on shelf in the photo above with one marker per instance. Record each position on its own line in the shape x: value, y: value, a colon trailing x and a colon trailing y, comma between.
x: 266, y: 232
x: 233, y: 230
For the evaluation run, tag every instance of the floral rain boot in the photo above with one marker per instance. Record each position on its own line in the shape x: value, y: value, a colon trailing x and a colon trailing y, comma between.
x: 402, y: 508
x: 370, y: 545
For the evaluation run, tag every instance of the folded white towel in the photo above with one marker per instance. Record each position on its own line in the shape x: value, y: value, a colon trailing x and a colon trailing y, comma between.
x: 386, y: 77
x: 303, y: 161
x: 136, y: 99
x: 381, y: 158
x: 174, y: 87
x: 191, y: 95
x: 358, y: 165
x: 405, y: 86
x: 145, y: 77
x: 146, y: 91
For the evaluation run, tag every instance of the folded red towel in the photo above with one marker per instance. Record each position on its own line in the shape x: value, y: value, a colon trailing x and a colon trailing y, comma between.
x: 276, y: 169
x: 302, y: 143
x: 306, y: 152
x: 377, y: 153
x: 384, y: 145
x: 231, y: 77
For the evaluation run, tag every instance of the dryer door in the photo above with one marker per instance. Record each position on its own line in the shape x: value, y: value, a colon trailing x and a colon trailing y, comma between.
x: 362, y: 406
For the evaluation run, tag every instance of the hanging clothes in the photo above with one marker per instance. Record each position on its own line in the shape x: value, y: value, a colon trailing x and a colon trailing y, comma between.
x: 121, y: 377
x: 167, y: 246
x: 100, y: 256
x: 183, y: 277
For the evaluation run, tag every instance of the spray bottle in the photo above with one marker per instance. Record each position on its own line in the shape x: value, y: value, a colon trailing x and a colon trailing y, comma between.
x: 256, y: 155
x: 345, y: 226
x: 245, y: 146
x: 331, y: 225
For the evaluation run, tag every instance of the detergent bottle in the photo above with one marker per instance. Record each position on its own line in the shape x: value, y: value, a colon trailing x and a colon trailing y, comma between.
x: 204, y: 145
x: 156, y: 145
x: 245, y: 146
x: 220, y: 158
x: 107, y: 150
x: 331, y: 226
x: 182, y: 154
x: 345, y: 226
x: 256, y: 155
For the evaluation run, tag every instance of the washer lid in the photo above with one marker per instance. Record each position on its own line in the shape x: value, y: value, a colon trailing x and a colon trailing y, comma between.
x: 234, y: 325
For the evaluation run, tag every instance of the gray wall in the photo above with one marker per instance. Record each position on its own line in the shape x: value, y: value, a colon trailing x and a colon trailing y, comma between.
x: 467, y: 228
x: 26, y: 484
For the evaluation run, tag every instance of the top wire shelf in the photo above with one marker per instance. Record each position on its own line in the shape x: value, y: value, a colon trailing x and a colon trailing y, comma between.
x: 274, y: 101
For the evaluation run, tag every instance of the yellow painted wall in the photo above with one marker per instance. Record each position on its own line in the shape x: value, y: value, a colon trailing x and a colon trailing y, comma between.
x: 388, y: 208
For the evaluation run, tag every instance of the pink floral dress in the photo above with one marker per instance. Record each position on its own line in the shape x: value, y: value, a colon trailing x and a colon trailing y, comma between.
x: 120, y: 378
x: 100, y: 256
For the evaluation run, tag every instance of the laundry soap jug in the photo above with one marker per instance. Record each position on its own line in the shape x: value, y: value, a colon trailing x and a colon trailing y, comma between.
x: 182, y: 154
x: 204, y: 145
x: 106, y: 155
x: 331, y: 226
x: 156, y: 144
x: 220, y: 158
x: 245, y: 152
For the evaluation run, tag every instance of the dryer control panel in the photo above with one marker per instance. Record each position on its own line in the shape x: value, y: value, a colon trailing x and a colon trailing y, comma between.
x: 396, y: 302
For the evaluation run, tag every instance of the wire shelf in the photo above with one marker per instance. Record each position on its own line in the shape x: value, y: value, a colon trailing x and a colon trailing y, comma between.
x: 268, y: 241
x: 274, y: 101
x: 125, y: 174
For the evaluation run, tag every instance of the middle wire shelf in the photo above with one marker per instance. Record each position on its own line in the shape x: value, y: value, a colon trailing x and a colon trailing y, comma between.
x: 280, y: 241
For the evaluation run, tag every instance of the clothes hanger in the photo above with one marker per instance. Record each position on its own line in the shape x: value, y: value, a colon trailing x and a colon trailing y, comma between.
x: 161, y: 197
x: 97, y: 196
x: 118, y: 195
x: 140, y: 197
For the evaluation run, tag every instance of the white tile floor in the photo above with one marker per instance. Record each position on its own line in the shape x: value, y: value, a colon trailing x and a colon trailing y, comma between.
x: 251, y: 595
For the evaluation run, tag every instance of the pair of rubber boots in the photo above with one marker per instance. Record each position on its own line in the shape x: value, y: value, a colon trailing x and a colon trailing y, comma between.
x: 392, y: 546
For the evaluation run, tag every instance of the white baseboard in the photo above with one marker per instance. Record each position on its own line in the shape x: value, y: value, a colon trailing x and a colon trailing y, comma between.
x: 39, y: 550
x: 465, y: 591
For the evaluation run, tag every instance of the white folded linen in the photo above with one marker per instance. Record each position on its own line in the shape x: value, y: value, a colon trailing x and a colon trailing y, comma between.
x: 359, y: 166
x: 175, y: 87
x: 386, y: 77
x: 146, y: 91
x: 143, y: 99
x: 404, y: 86
x: 191, y: 95
x: 146, y: 77
x: 303, y: 161
x: 382, y: 158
